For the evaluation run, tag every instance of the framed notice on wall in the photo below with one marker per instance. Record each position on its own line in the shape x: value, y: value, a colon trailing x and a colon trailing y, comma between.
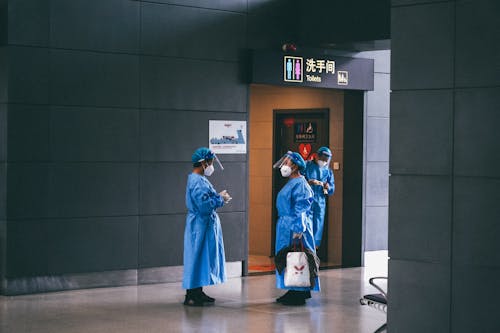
x: 227, y: 136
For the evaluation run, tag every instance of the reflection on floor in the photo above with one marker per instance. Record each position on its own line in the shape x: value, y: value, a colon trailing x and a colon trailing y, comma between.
x: 243, y: 305
x: 258, y: 265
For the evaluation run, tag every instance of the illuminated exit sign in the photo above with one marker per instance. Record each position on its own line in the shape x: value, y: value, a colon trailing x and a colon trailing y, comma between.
x: 312, y: 71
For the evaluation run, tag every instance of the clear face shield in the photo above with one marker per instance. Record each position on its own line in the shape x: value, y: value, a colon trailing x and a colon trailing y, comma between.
x: 218, y: 162
x: 210, y: 157
x: 323, y: 160
x: 284, y: 160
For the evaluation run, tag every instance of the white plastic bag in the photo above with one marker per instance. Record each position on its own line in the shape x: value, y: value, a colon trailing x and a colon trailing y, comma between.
x: 297, y: 270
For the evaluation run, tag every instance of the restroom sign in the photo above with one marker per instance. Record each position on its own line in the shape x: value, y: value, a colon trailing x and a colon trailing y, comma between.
x: 343, y: 78
x: 299, y: 69
x: 293, y: 69
x: 309, y: 70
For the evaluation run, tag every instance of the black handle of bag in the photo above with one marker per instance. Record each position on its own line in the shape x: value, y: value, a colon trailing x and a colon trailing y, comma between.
x: 295, y: 244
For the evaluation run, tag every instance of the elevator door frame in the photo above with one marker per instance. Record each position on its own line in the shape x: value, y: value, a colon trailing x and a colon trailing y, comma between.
x: 324, y: 115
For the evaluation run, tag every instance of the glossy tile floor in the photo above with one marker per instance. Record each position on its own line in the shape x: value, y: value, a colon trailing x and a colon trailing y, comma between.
x: 243, y: 305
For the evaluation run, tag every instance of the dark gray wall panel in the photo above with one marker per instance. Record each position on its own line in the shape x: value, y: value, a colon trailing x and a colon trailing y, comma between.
x: 229, y: 5
x: 473, y: 171
x: 234, y: 229
x: 474, y: 19
x: 29, y: 22
x: 94, y: 79
x: 476, y: 230
x: 28, y: 75
x: 4, y: 65
x: 179, y: 31
x: 273, y: 23
x: 419, y: 215
x: 174, y: 135
x: 267, y: 30
x: 212, y: 85
x: 377, y: 140
x: 28, y: 132
x: 377, y: 179
x: 107, y: 25
x: 3, y: 23
x: 266, y: 6
x: 413, y: 2
x: 422, y: 46
x: 94, y: 134
x: 163, y: 187
x: 3, y: 246
x: 27, y: 190
x: 99, y: 189
x: 427, y: 286
x: 352, y: 201
x: 476, y: 133
x: 474, y: 308
x: 92, y: 244
x: 329, y: 22
x: 421, y: 131
x: 161, y: 240
x: 3, y: 191
x: 3, y: 132
x: 26, y: 248
x: 76, y: 127
x: 376, y: 228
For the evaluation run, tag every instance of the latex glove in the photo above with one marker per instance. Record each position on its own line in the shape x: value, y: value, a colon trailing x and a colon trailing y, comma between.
x: 225, y: 196
x: 297, y: 235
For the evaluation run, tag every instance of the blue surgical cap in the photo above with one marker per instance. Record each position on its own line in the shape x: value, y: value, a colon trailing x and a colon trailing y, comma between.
x: 297, y: 160
x: 202, y: 154
x: 325, y: 151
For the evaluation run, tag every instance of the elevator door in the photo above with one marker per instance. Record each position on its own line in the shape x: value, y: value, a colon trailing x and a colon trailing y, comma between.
x: 302, y: 131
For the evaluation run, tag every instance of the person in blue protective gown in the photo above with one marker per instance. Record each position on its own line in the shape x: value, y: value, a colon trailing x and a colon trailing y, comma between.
x: 293, y: 204
x: 204, y: 258
x: 321, y: 179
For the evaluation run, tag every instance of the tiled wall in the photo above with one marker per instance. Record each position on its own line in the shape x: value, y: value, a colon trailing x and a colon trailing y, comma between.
x: 376, y: 153
x: 107, y: 99
x: 444, y: 188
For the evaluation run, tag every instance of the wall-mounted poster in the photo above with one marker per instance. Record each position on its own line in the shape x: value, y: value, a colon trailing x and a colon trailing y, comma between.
x: 227, y: 136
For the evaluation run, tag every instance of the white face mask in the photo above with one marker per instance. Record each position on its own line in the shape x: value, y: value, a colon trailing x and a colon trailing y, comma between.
x: 286, y: 171
x: 322, y: 164
x: 209, y: 170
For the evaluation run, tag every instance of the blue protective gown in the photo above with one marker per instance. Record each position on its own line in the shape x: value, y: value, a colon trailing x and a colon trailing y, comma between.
x: 313, y: 171
x: 204, y: 258
x: 293, y: 204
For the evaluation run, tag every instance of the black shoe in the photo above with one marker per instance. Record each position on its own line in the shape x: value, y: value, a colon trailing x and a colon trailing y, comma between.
x: 207, y: 298
x: 293, y: 297
x: 192, y: 300
x: 295, y: 302
x: 307, y: 294
x: 284, y: 297
x: 296, y: 298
